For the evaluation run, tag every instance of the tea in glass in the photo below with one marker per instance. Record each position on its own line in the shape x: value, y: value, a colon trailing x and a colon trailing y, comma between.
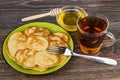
x: 92, y: 31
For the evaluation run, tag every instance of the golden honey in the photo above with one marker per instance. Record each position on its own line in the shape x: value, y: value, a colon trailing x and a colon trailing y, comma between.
x: 68, y: 18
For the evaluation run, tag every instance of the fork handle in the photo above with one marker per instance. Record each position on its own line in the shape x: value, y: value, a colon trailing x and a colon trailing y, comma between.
x: 98, y: 59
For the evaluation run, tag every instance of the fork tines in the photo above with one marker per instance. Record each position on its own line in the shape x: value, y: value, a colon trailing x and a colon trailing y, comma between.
x: 56, y: 49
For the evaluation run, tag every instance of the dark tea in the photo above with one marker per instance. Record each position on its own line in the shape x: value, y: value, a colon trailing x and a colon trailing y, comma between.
x: 91, y: 34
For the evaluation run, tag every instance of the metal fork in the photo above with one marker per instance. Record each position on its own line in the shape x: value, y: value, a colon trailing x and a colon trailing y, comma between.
x: 68, y: 52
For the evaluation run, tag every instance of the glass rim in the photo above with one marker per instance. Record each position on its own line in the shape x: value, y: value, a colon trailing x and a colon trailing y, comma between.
x: 70, y: 7
x: 101, y: 16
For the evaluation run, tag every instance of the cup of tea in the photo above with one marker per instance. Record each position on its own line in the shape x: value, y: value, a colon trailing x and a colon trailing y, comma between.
x: 67, y: 19
x: 92, y: 31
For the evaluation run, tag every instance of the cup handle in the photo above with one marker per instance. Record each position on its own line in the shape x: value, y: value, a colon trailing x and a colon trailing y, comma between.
x: 109, y: 40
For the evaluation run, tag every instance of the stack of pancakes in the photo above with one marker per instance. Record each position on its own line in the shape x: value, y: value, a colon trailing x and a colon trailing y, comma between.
x: 29, y: 48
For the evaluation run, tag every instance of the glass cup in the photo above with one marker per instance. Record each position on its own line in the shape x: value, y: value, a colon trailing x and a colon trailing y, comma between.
x: 92, y: 31
x: 67, y: 19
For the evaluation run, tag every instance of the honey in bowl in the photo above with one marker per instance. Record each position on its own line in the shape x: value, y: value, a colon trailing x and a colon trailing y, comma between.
x: 67, y: 19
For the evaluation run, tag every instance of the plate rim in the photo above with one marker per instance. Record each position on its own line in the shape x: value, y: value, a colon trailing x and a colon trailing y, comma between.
x: 5, y: 56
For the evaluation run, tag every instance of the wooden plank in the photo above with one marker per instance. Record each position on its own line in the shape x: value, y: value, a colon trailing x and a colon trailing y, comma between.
x: 11, y: 12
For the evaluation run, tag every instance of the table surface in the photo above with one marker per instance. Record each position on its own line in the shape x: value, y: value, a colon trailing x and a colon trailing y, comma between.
x: 11, y: 12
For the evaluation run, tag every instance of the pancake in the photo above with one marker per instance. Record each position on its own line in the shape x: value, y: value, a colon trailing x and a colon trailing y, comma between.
x: 16, y: 42
x: 63, y: 36
x: 56, y: 41
x: 36, y: 31
x: 30, y: 30
x: 46, y: 60
x: 25, y: 58
x: 37, y: 43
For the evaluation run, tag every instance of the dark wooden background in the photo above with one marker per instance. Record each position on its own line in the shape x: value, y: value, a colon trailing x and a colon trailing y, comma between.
x: 11, y: 12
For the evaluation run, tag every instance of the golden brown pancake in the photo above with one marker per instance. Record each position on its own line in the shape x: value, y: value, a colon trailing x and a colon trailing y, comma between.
x: 30, y: 30
x: 36, y: 31
x: 37, y: 43
x: 25, y: 58
x: 63, y: 36
x: 56, y: 41
x: 46, y: 60
x: 16, y: 42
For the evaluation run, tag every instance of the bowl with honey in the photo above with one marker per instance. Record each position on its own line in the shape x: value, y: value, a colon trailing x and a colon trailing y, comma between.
x: 67, y: 19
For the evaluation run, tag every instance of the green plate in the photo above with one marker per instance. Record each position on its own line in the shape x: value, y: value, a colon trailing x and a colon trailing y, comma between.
x: 53, y: 28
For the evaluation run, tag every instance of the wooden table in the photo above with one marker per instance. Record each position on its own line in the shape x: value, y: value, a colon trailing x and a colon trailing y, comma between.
x: 11, y: 12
